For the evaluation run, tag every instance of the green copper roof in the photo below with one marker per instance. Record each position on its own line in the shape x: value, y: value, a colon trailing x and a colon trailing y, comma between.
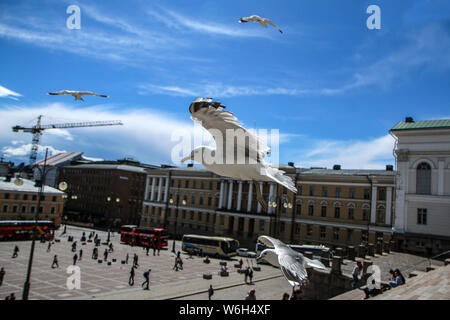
x: 428, y: 124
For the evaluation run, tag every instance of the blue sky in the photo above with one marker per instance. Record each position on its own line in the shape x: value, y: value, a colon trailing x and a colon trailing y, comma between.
x: 331, y: 86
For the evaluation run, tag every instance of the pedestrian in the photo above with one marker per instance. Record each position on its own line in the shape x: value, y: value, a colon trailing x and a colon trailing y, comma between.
x: 75, y: 257
x: 136, y: 259
x: 12, y: 296
x: 241, y: 263
x: 49, y: 246
x: 251, y: 295
x: 246, y: 274
x: 131, y: 280
x: 180, y: 263
x: 297, y: 294
x: 175, y: 267
x: 81, y: 254
x: 93, y: 253
x: 126, y: 259
x: 15, y: 253
x: 2, y: 275
x: 154, y: 246
x: 356, y: 271
x: 147, y: 248
x: 285, y: 296
x: 210, y: 292
x: 250, y: 275
x: 111, y: 248
x: 158, y: 247
x: 74, y: 246
x: 55, y: 261
x: 105, y: 254
x: 147, y: 279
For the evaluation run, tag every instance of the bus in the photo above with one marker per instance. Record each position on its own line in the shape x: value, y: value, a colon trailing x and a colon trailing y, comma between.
x: 317, y: 251
x: 218, y: 247
x: 11, y: 230
x: 146, y: 237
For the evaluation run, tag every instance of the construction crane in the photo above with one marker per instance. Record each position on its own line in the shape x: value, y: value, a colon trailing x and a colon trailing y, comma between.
x: 38, y: 128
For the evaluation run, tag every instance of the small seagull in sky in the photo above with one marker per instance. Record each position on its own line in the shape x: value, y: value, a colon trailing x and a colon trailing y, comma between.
x: 77, y: 94
x: 262, y: 21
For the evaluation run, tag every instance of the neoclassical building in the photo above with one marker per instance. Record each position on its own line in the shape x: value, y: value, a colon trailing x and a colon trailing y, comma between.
x: 422, y: 220
x: 333, y: 207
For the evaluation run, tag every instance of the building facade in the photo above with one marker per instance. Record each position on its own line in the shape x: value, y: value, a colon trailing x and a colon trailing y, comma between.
x: 422, y: 223
x: 332, y: 207
x: 21, y: 202
x: 104, y: 194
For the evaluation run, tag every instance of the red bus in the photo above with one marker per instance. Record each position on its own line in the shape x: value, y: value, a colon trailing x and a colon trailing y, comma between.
x: 23, y: 230
x: 139, y: 236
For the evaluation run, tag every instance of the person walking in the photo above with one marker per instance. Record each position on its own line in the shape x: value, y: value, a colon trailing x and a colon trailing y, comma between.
x: 135, y: 260
x: 241, y: 262
x: 49, y: 246
x: 75, y: 258
x: 147, y: 249
x: 175, y: 267
x: 251, y: 295
x: 111, y: 248
x: 250, y: 275
x: 12, y: 296
x: 147, y: 279
x: 355, y: 273
x: 105, y: 254
x: 55, y: 261
x: 16, y: 251
x: 74, y: 246
x: 2, y: 275
x: 81, y: 254
x: 154, y: 246
x: 246, y: 274
x: 126, y: 259
x: 131, y: 280
x: 210, y: 292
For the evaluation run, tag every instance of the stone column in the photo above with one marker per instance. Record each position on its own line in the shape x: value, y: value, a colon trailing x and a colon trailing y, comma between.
x: 250, y: 196
x: 336, y: 265
x: 440, y: 190
x: 239, y: 199
x: 259, y: 208
x: 230, y: 195
x: 361, y: 251
x: 270, y: 209
x: 351, y: 253
x: 379, y: 248
x: 373, y: 208
x: 147, y: 180
x: 371, y: 249
x: 159, y: 190
x: 166, y: 189
x: 222, y: 185
x: 152, y: 195
x: 387, y: 247
x: 388, y: 205
x: 339, y: 252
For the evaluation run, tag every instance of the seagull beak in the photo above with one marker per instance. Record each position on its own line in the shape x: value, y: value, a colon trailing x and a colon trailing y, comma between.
x: 186, y: 159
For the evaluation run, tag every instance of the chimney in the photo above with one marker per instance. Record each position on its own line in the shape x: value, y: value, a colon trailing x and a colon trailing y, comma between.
x: 409, y: 120
x: 290, y: 164
x: 337, y: 167
x: 389, y: 167
x: 190, y: 165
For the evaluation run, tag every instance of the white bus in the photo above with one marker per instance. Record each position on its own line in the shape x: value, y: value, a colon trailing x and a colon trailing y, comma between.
x: 218, y: 247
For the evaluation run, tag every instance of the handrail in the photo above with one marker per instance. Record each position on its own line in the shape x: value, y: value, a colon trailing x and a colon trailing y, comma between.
x: 427, y: 260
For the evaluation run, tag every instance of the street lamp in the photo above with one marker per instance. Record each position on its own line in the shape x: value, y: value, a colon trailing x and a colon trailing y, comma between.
x: 276, y: 202
x: 109, y: 199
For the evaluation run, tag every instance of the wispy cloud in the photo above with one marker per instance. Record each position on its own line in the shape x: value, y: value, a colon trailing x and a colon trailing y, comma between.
x: 6, y: 93
x: 352, y: 154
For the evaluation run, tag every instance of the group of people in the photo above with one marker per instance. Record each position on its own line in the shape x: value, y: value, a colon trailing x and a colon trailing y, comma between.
x: 297, y: 294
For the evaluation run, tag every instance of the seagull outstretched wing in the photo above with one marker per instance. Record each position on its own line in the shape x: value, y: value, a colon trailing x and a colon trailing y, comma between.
x: 293, y: 270
x: 272, y: 24
x: 213, y: 117
x: 88, y: 93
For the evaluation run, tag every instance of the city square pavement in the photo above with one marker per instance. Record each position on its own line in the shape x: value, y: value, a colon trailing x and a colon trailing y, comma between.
x: 100, y: 281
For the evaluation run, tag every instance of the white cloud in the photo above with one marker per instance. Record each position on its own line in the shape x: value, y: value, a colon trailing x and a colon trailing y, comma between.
x: 6, y: 93
x: 23, y: 151
x: 352, y: 154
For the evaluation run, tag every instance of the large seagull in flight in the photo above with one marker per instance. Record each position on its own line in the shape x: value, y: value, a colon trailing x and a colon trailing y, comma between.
x: 262, y: 21
x: 77, y: 94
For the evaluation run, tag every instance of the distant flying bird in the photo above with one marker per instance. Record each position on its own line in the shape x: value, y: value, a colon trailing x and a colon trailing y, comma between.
x: 77, y: 94
x: 244, y: 159
x: 262, y: 21
x: 291, y: 263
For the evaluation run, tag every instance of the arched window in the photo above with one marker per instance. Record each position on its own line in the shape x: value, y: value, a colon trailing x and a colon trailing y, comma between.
x: 423, y: 178
x: 381, y: 214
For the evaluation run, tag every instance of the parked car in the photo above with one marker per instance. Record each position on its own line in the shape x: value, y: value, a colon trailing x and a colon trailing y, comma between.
x: 243, y: 252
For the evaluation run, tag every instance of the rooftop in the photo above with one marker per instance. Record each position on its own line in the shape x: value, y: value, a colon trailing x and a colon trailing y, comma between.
x: 123, y: 167
x: 422, y: 125
x: 27, y: 186
x: 348, y: 172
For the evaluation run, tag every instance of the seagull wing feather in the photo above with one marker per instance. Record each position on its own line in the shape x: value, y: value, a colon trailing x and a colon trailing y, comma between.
x: 293, y: 270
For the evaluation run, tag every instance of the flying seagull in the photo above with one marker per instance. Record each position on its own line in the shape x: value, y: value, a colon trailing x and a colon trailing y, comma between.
x: 77, y: 94
x: 262, y: 21
x: 239, y: 154
x: 291, y: 263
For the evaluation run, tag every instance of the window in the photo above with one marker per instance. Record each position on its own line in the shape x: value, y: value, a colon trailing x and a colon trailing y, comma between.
x: 337, y: 212
x: 381, y: 214
x: 367, y: 194
x: 199, y: 216
x: 366, y: 213
x: 32, y: 208
x: 201, y: 199
x: 52, y: 210
x: 309, y: 230
x: 298, y: 208
x: 338, y: 192
x: 423, y: 178
x: 16, y: 196
x: 14, y: 208
x: 421, y: 216
x: 193, y: 198
x: 192, y: 215
x: 349, y: 235
x: 194, y: 184
x: 222, y: 220
x: 5, y: 208
x: 25, y: 197
x: 297, y: 228
x: 351, y: 193
x: 282, y: 226
x: 324, y: 211
x: 311, y: 209
x: 6, y: 195
x: 382, y: 194
x: 24, y: 209
x: 323, y: 232
x: 183, y: 214
x: 209, y: 199
x: 311, y: 190
x: 324, y: 191
x: 261, y: 225
x: 299, y: 190
x: 54, y: 198
x: 351, y: 213
x: 335, y: 233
